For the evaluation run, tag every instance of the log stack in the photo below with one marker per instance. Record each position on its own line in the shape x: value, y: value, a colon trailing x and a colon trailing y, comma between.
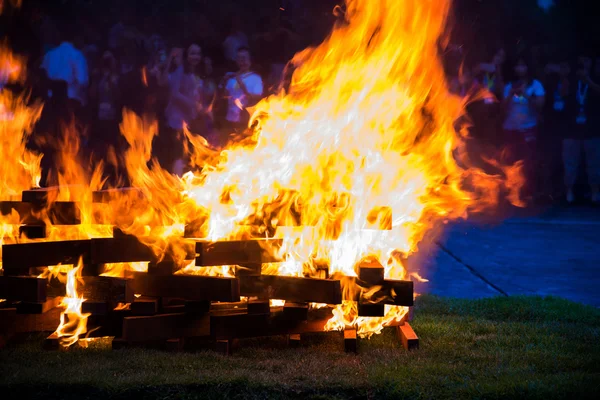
x: 165, y: 307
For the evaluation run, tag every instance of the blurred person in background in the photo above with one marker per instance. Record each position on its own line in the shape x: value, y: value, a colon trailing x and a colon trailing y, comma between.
x: 234, y: 40
x: 242, y: 89
x: 556, y: 123
x: 185, y: 103
x: 106, y: 141
x: 66, y: 63
x: 523, y: 101
x: 583, y: 140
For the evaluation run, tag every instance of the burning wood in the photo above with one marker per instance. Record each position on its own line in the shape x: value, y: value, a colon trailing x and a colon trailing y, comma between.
x: 338, y: 183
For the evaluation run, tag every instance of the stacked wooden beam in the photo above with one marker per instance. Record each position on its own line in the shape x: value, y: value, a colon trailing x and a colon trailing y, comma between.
x: 165, y: 306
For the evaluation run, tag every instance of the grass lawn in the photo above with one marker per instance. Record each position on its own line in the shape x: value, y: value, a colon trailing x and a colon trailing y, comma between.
x: 517, y: 347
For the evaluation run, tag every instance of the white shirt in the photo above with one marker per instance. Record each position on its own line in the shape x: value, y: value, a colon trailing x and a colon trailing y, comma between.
x: 66, y: 63
x: 237, y: 99
x: 520, y: 115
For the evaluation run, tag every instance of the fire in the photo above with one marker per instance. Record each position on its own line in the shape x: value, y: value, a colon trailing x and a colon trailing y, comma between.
x: 73, y: 323
x: 358, y: 159
x: 364, y: 134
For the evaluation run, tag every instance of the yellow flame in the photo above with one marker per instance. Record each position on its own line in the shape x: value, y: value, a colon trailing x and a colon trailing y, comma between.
x: 73, y: 323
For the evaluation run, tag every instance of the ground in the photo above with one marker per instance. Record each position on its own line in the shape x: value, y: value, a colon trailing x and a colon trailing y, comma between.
x: 554, y: 253
x: 510, y: 311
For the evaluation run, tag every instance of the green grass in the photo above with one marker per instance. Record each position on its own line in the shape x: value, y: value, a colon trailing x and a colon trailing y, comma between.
x: 516, y: 347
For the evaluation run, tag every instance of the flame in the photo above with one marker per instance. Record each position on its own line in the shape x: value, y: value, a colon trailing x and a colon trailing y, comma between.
x: 73, y: 323
x: 357, y: 159
x: 365, y: 134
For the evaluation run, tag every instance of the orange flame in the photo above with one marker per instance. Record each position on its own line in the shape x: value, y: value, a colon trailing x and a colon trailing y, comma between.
x: 73, y: 323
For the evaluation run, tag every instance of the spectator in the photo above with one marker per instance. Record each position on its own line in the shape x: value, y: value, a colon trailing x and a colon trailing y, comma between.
x: 584, y: 134
x: 556, y: 123
x: 276, y: 46
x: 106, y: 101
x: 185, y: 102
x: 243, y: 89
x: 66, y: 63
x: 523, y: 100
x: 235, y: 40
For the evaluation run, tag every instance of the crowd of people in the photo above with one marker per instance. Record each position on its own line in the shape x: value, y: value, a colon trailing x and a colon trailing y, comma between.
x: 520, y: 107
x: 545, y: 114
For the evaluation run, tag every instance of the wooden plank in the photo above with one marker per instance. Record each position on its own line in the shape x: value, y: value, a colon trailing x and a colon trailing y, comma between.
x: 121, y: 249
x: 197, y: 307
x: 371, y: 272
x: 23, y: 288
x: 294, y: 289
x: 408, y: 337
x: 99, y: 288
x: 394, y: 292
x: 95, y: 307
x: 145, y: 306
x: 350, y: 341
x: 42, y: 254
x: 164, y: 327
x: 59, y: 213
x: 236, y: 252
x: 189, y: 287
x: 295, y: 311
x: 38, y: 308
x: 259, y: 307
x: 117, y: 194
x: 294, y: 340
x: 371, y: 310
x: 32, y: 231
x: 11, y: 322
x: 229, y: 326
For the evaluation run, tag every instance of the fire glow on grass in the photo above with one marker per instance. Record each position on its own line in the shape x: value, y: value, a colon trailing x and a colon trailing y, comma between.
x: 358, y: 159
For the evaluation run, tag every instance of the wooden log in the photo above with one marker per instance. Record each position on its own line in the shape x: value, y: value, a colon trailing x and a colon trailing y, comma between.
x: 23, y: 288
x: 40, y: 195
x: 121, y: 249
x: 11, y: 322
x: 95, y: 308
x: 164, y: 327
x: 371, y: 310
x: 236, y: 252
x: 245, y: 269
x: 294, y: 340
x: 259, y: 307
x: 408, y: 337
x: 295, y: 311
x: 294, y: 289
x: 99, y: 288
x: 38, y: 308
x: 145, y: 306
x: 228, y: 326
x: 371, y: 272
x: 59, y: 213
x: 399, y: 293
x: 42, y: 254
x: 117, y: 194
x: 229, y: 306
x: 197, y: 307
x: 190, y: 287
x: 394, y: 292
x: 224, y: 347
x: 350, y: 341
x: 32, y: 231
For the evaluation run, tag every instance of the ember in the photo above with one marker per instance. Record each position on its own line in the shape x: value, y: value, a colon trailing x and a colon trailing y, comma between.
x: 341, y: 177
